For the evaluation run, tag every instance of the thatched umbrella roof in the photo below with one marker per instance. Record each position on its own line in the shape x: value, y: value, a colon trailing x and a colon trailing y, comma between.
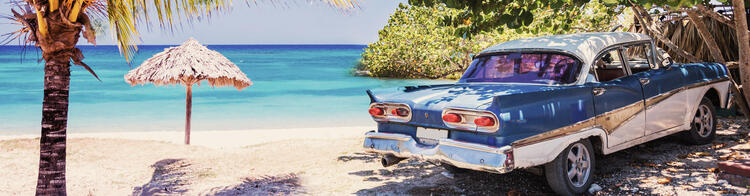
x: 188, y: 63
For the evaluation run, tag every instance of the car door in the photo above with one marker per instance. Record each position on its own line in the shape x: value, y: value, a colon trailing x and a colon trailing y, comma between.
x: 618, y: 99
x: 665, y: 103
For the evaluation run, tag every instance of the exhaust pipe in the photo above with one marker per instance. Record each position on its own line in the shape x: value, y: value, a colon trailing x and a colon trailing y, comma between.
x: 389, y: 160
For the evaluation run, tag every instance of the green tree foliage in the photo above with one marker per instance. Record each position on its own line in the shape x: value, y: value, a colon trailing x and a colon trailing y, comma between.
x: 425, y: 41
x: 487, y: 15
x: 414, y: 44
x: 593, y: 16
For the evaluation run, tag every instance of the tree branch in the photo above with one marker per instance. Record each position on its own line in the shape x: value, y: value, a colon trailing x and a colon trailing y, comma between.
x: 657, y: 34
x: 707, y: 37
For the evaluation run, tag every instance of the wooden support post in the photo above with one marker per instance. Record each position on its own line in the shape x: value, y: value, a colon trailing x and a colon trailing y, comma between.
x: 740, y: 19
x: 188, y: 108
x: 740, y: 100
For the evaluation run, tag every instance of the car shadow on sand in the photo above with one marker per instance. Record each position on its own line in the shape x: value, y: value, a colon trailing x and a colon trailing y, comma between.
x: 413, y: 177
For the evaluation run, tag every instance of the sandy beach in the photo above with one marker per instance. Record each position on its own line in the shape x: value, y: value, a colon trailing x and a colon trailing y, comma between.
x: 219, y: 162
x: 330, y: 161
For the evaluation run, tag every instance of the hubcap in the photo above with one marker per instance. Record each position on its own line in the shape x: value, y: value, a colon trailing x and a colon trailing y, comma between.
x: 579, y: 165
x: 703, y: 121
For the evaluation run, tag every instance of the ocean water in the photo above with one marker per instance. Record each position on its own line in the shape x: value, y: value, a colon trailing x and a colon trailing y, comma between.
x: 295, y: 86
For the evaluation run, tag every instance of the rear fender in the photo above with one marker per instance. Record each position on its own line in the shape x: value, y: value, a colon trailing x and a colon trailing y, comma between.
x: 530, y: 114
x: 546, y: 151
x: 373, y: 99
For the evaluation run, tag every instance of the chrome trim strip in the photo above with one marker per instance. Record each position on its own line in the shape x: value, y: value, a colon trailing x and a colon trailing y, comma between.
x: 650, y: 102
x: 703, y: 83
x: 556, y: 133
x: 473, y: 146
x: 608, y: 121
x: 390, y: 136
x: 457, y: 153
x: 620, y: 116
x: 625, y: 114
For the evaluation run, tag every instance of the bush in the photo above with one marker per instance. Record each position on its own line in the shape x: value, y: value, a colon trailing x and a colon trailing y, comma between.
x: 414, y: 44
x: 422, y: 42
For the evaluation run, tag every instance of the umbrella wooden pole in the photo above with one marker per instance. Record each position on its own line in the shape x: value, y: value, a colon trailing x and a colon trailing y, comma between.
x: 188, y: 108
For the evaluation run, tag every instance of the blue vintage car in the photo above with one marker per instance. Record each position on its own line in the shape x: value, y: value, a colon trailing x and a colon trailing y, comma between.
x: 550, y: 102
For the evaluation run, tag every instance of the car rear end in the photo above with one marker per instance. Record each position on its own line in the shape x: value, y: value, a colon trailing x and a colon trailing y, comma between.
x: 463, y: 137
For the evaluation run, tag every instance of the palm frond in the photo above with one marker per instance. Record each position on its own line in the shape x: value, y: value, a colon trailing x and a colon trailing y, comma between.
x: 344, y: 4
x: 122, y: 25
x: 21, y: 17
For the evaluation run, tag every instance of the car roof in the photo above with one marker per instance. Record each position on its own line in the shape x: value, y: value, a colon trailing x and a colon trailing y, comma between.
x: 582, y: 45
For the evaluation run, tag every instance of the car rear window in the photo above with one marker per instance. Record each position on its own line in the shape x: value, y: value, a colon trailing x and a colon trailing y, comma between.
x: 537, y: 68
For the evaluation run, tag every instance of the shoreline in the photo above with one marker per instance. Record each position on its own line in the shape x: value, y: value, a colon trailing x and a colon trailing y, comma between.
x: 221, y: 138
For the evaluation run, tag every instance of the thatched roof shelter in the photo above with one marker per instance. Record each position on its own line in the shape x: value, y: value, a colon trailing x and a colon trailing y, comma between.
x: 703, y: 33
x: 188, y: 64
x: 690, y: 34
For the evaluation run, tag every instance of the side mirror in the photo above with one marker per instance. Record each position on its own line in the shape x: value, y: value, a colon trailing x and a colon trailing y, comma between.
x: 667, y: 62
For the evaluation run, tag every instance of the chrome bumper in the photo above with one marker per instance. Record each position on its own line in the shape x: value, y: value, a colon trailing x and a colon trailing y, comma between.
x: 456, y: 153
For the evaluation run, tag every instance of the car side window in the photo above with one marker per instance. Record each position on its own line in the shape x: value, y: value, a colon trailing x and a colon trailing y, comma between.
x: 638, y: 57
x: 609, y: 66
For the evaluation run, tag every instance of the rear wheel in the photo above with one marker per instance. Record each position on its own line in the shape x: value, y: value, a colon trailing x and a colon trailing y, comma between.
x: 571, y: 171
x: 703, y: 128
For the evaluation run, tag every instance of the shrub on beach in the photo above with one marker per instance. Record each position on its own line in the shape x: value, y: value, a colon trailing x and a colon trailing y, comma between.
x: 425, y: 42
x: 416, y: 43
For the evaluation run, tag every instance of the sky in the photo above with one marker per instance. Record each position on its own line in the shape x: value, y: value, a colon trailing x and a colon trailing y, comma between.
x: 299, y: 22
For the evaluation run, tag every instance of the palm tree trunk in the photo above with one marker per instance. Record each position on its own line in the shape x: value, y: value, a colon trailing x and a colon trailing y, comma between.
x: 51, y: 180
x: 740, y: 20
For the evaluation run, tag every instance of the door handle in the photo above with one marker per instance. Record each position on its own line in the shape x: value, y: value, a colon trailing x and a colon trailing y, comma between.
x: 598, y: 91
x: 645, y: 81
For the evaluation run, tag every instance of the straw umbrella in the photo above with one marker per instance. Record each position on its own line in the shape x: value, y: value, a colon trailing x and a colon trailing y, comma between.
x: 188, y: 64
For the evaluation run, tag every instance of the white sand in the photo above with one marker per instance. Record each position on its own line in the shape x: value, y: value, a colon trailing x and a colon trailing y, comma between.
x: 316, y: 161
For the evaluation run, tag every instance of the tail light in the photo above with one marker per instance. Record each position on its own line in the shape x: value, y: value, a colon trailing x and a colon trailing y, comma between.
x: 452, y: 118
x: 509, y: 162
x: 482, y: 121
x: 376, y: 111
x: 396, y: 112
x: 400, y: 112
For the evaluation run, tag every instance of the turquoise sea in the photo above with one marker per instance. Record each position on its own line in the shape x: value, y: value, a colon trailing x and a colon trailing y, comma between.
x: 294, y: 86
